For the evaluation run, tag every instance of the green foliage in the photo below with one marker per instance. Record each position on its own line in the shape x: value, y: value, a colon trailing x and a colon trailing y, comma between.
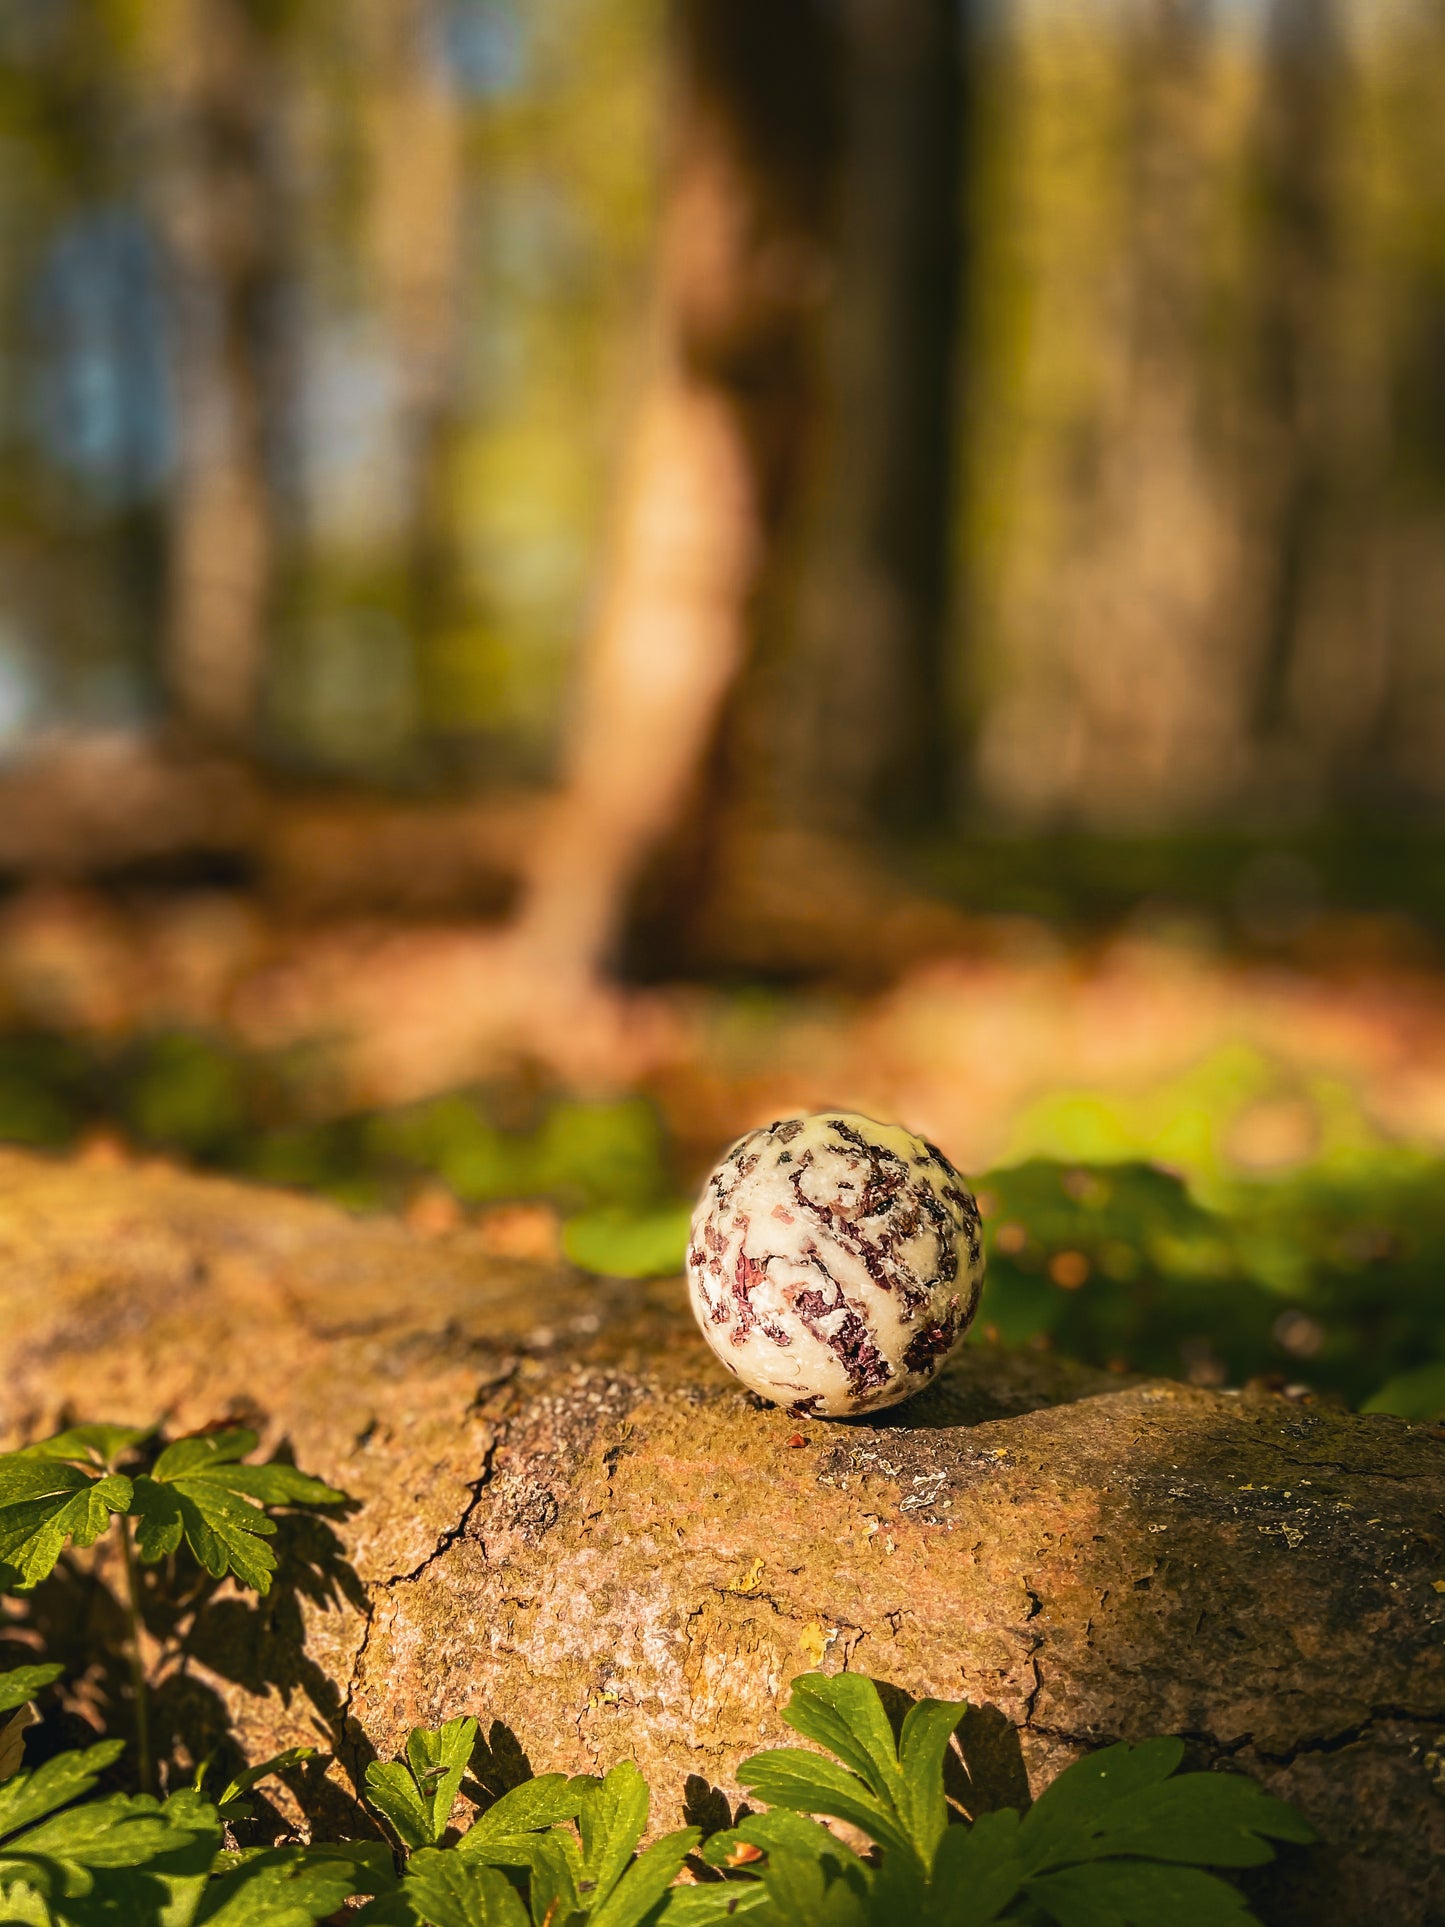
x: 199, y: 1489
x: 416, y: 1796
x: 20, y: 1685
x: 44, y: 1505
x: 617, y: 1243
x: 1330, y: 1276
x: 233, y: 1804
x: 65, y: 1490
x: 1088, y: 1851
x: 190, y: 1093
x: 562, y: 1851
x: 1419, y: 1394
x: 606, y: 1164
x: 70, y: 1860
x: 1119, y: 1838
x: 54, y: 1847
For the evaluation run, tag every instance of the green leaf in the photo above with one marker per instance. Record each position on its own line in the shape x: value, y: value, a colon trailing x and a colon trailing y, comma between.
x: 20, y: 1685
x: 701, y: 1906
x: 786, y: 1776
x: 98, y: 1445
x: 204, y: 1451
x: 392, y: 1910
x: 281, y: 1484
x: 895, y: 1796
x: 45, y: 1502
x: 117, y: 1831
x: 23, y: 1479
x: 507, y: 1833
x: 232, y: 1803
x: 30, y: 1796
x: 1131, y: 1893
x: 185, y: 1875
x: 977, y: 1871
x: 198, y: 1491
x: 392, y: 1790
x: 617, y: 1242
x: 417, y: 1797
x: 809, y: 1878
x: 845, y: 1714
x: 449, y: 1891
x: 555, y: 1869
x: 216, y: 1456
x: 612, y: 1814
x: 1122, y: 1801
x: 438, y: 1759
x: 645, y: 1881
x: 806, y: 1874
x: 1070, y: 1818
x: 1417, y: 1394
x: 62, y: 1848
x: 927, y: 1729
x: 282, y: 1887
x: 780, y: 1832
x: 224, y: 1532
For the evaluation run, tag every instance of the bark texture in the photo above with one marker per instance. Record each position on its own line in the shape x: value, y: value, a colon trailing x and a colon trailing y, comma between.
x: 572, y: 1525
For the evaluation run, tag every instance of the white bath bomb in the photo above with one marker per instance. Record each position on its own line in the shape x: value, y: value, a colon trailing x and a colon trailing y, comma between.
x: 834, y: 1262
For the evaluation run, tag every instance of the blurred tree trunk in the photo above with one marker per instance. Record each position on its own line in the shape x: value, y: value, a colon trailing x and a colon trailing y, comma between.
x: 1297, y: 253
x: 857, y: 715
x: 413, y: 244
x: 1319, y: 410
x: 743, y: 263
x: 220, y: 212
x: 1122, y: 689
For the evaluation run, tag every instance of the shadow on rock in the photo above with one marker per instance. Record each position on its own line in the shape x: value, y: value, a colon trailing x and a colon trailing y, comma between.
x: 198, y: 1631
x: 498, y: 1764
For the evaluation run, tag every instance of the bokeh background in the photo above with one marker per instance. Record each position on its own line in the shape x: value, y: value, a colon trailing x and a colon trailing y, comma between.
x: 575, y: 574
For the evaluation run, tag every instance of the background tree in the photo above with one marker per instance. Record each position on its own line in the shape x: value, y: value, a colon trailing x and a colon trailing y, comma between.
x: 218, y: 190
x: 742, y: 266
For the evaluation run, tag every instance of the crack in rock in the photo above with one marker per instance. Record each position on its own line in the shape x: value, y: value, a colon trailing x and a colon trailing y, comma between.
x: 449, y: 1538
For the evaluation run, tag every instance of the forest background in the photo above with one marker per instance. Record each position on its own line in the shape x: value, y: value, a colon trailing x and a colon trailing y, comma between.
x: 578, y: 575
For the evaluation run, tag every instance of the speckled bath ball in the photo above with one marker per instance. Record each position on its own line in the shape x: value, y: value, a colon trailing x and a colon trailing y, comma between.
x: 834, y: 1262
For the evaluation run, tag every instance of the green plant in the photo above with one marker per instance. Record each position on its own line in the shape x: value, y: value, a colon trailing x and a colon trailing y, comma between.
x: 1119, y: 1837
x: 71, y: 1860
x: 571, y: 1846
x: 70, y: 1489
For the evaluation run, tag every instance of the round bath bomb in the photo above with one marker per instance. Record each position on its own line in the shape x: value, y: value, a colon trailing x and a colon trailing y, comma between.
x: 834, y: 1262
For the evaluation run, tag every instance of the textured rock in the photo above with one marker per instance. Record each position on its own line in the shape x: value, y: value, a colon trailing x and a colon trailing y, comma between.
x: 573, y: 1524
x: 834, y: 1263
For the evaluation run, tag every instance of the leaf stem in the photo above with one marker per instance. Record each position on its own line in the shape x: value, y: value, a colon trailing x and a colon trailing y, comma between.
x: 140, y: 1688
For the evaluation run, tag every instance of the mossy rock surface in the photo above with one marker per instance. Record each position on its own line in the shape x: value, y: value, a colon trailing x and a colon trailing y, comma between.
x: 573, y: 1525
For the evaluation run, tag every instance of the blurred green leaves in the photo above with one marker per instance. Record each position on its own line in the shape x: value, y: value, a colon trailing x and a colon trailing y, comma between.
x: 1324, y: 1267
x: 619, y: 1243
x: 1419, y: 1394
x: 1330, y: 1277
x: 604, y: 1163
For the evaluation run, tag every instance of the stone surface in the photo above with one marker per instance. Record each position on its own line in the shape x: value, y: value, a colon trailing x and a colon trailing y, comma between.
x: 834, y: 1263
x: 573, y: 1524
